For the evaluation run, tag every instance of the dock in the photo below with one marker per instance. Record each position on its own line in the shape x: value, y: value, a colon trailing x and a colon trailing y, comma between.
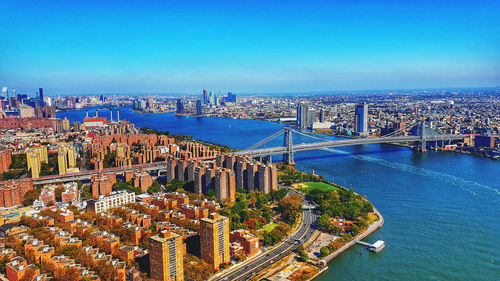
x: 375, y: 247
x: 366, y: 244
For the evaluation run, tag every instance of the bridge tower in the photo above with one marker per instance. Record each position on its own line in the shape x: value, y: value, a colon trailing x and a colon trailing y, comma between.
x: 421, y: 132
x: 288, y: 143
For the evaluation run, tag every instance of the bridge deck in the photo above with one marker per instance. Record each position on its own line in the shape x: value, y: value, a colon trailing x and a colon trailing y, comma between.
x: 337, y: 143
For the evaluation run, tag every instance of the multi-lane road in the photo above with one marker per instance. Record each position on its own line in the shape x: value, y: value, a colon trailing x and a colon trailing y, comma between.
x: 250, y: 268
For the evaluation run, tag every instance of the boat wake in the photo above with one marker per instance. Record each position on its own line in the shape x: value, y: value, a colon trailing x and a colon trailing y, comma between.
x: 466, y: 185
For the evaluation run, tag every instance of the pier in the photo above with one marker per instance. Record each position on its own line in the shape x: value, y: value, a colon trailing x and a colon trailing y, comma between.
x: 375, y: 247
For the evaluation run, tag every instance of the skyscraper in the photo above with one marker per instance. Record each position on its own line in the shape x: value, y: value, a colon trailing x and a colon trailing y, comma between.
x: 322, y: 116
x: 305, y: 116
x: 40, y: 97
x: 62, y: 161
x: 205, y: 96
x: 165, y: 257
x: 180, y: 106
x: 214, y: 240
x: 5, y: 92
x: 361, y: 119
x: 231, y: 97
x: 199, y: 110
x: 211, y: 97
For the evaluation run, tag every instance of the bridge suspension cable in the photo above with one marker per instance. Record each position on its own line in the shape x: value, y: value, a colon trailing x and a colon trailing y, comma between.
x: 398, y: 131
x: 310, y: 136
x: 264, y: 141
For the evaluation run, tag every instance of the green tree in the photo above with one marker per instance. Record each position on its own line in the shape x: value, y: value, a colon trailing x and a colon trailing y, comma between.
x: 2, y: 266
x: 303, y: 256
x: 324, y: 251
x: 154, y: 188
x: 210, y: 193
x: 324, y: 223
x: 30, y: 196
x: 87, y: 192
x: 58, y: 193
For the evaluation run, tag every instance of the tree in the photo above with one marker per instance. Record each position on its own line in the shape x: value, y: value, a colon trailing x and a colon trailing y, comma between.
x: 279, y: 194
x: 355, y: 229
x: 58, y: 193
x: 324, y: 222
x: 210, y: 193
x: 196, y: 268
x: 240, y: 256
x: 30, y: 196
x: 154, y: 188
x: 303, y: 256
x: 324, y: 251
x: 87, y: 192
x: 2, y: 266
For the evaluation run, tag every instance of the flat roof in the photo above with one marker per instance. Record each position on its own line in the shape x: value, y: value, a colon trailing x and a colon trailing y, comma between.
x: 378, y: 243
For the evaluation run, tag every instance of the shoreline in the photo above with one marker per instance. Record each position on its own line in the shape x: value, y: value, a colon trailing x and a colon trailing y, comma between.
x: 370, y: 230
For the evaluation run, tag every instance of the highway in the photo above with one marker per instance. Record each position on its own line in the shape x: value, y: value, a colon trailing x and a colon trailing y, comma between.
x: 87, y: 175
x: 250, y: 268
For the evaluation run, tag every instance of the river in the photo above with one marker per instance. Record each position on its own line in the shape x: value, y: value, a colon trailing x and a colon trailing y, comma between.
x: 441, y: 209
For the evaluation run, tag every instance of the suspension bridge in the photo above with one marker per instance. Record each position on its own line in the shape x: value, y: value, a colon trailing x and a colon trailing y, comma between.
x: 423, y: 135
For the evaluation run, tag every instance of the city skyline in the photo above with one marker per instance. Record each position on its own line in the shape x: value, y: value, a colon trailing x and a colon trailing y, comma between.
x: 247, y: 48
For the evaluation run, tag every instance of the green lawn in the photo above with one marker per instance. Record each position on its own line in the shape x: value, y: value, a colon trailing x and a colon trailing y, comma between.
x: 318, y: 185
x: 269, y: 227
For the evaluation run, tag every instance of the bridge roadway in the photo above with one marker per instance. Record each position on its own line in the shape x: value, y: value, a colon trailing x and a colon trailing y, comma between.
x: 336, y: 143
x: 87, y: 175
x: 250, y: 268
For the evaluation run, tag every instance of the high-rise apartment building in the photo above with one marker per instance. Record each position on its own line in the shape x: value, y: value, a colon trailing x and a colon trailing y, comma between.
x: 199, y: 110
x: 34, y: 164
x: 35, y: 157
x: 214, y: 240
x: 5, y: 160
x: 322, y: 115
x: 225, y: 185
x: 65, y: 124
x: 62, y: 162
x: 102, y: 184
x: 231, y: 97
x: 71, y: 157
x: 165, y: 257
x: 40, y: 97
x: 361, y: 119
x: 205, y: 96
x: 305, y: 116
x: 180, y: 106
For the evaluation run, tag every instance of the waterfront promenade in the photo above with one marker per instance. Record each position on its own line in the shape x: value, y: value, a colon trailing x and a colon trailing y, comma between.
x: 371, y: 228
x: 414, y: 191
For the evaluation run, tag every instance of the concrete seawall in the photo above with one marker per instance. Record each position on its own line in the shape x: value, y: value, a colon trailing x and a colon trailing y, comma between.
x: 372, y: 228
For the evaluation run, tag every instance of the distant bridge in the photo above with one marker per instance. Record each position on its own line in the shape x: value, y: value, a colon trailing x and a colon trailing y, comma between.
x: 288, y: 148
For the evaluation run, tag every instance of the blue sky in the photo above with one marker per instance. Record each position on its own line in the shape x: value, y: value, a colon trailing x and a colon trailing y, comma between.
x: 247, y: 46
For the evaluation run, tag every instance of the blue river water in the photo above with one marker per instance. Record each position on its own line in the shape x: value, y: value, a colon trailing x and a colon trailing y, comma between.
x: 441, y: 209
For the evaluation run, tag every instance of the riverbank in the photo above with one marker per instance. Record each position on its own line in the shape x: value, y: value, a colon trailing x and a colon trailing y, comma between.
x: 371, y: 229
x: 419, y: 195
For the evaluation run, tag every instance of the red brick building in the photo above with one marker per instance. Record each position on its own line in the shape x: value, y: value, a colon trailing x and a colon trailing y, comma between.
x: 12, y: 192
x: 5, y: 160
x: 249, y: 242
x: 143, y: 180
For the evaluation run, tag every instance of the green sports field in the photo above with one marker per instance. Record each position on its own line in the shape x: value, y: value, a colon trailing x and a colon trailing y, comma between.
x: 318, y: 185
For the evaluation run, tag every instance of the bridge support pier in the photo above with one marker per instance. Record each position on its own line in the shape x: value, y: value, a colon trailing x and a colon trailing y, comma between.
x: 288, y: 143
x: 423, y: 143
x: 268, y: 159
